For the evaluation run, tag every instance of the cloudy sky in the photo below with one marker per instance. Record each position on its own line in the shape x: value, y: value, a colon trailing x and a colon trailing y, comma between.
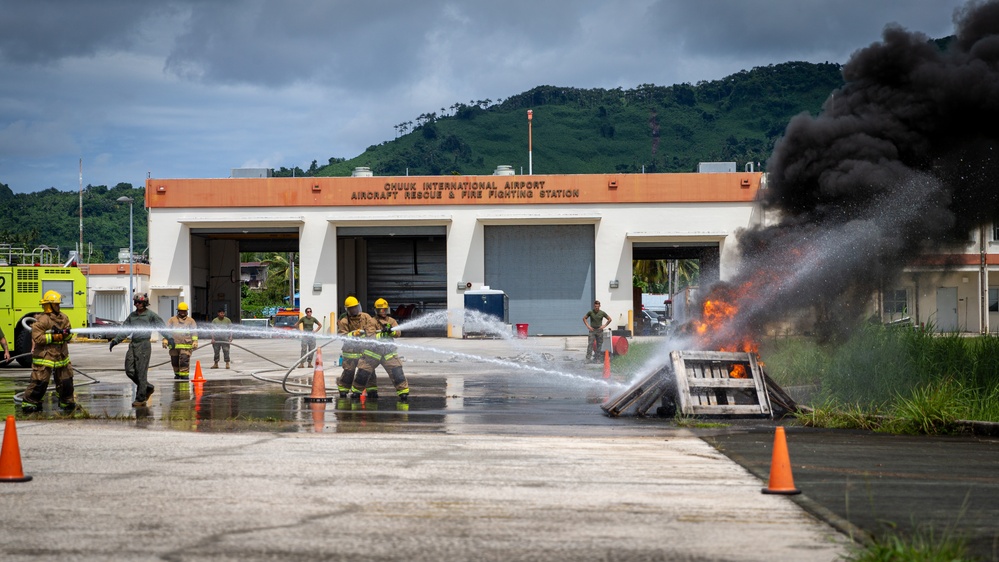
x: 193, y: 88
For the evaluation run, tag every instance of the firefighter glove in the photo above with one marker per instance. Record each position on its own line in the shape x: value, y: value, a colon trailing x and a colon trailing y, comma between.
x: 111, y: 345
x: 194, y: 345
x: 165, y: 346
x: 356, y: 333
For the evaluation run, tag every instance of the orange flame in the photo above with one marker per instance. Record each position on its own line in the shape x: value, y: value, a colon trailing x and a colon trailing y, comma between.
x: 716, y: 314
x: 738, y: 371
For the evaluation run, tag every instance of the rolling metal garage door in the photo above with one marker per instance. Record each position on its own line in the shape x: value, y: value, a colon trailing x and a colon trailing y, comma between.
x: 546, y: 270
x: 407, y: 271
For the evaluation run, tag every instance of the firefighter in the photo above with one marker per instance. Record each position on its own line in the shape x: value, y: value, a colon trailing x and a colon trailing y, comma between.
x: 143, y: 322
x: 185, y: 341
x: 352, y: 327
x: 381, y: 352
x: 50, y: 334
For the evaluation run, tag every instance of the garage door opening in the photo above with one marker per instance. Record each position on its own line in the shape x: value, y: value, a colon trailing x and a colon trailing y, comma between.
x: 407, y: 266
x: 217, y: 278
x: 667, y: 276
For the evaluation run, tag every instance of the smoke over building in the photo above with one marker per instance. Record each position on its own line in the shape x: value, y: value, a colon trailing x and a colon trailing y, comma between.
x: 901, y: 161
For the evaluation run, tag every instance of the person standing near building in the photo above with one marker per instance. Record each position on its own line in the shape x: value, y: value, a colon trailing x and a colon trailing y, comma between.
x: 6, y: 350
x: 352, y: 328
x: 381, y: 352
x: 50, y: 335
x: 185, y: 340
x: 596, y: 321
x: 143, y: 322
x: 221, y: 337
x: 311, y: 325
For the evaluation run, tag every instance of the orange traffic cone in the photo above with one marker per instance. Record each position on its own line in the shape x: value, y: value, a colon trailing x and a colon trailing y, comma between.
x: 781, y: 481
x: 606, y: 364
x: 198, y: 376
x: 10, y: 456
x: 318, y: 382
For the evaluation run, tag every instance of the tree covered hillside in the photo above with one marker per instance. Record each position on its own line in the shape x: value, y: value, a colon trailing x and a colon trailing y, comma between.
x: 577, y: 131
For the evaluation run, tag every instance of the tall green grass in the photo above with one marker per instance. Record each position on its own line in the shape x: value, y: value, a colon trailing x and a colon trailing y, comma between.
x: 893, y: 379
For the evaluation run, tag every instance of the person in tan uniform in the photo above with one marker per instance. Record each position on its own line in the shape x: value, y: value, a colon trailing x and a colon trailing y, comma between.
x: 185, y: 341
x: 382, y: 352
x: 50, y: 335
x: 351, y: 328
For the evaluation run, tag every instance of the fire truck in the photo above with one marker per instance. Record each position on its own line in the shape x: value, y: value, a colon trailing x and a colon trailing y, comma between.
x: 287, y: 318
x: 24, y: 278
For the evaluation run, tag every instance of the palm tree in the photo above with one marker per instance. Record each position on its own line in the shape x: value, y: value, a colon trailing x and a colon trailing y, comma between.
x: 280, y: 273
x: 666, y: 276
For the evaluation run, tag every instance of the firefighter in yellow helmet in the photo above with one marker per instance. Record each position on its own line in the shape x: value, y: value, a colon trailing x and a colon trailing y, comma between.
x: 381, y: 352
x: 185, y: 341
x: 50, y: 335
x: 352, y: 328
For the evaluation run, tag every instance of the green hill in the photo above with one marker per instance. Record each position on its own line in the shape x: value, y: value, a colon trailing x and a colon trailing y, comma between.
x: 575, y: 131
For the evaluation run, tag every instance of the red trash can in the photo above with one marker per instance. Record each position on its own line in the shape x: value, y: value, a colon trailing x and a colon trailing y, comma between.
x: 620, y: 345
x: 522, y: 331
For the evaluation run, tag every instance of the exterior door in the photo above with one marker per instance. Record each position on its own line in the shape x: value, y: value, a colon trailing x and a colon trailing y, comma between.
x: 947, y: 309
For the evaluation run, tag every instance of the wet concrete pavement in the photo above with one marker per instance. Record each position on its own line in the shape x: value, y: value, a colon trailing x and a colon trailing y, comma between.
x: 502, y: 454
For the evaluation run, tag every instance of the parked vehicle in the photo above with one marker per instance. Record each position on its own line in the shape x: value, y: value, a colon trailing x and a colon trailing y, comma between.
x: 650, y: 324
x: 286, y: 319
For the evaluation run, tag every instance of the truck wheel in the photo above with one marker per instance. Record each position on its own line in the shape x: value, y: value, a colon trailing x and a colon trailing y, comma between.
x: 22, y: 344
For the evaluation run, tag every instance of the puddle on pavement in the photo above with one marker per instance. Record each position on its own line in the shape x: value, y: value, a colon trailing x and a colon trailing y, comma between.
x: 438, y: 404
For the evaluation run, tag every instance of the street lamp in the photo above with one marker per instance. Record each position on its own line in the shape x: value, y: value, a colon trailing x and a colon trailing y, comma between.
x: 131, y: 267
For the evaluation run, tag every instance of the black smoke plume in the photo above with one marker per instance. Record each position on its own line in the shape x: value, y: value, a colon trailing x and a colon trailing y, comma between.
x: 902, y: 161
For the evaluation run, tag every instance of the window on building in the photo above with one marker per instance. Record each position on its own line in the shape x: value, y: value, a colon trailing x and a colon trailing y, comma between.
x: 995, y: 231
x: 993, y: 299
x: 896, y: 301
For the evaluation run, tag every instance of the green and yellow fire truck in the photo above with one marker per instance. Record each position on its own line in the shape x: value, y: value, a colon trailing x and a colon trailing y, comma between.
x: 22, y: 286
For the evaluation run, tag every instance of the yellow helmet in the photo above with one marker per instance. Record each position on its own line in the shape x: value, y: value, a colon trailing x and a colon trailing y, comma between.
x: 51, y: 297
x: 182, y: 306
x: 351, y: 301
x: 381, y: 303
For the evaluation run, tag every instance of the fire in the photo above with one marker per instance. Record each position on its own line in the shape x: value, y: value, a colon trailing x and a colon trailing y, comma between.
x: 717, y: 315
x: 738, y: 371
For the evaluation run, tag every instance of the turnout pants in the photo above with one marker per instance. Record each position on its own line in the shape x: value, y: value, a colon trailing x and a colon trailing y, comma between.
x: 370, y: 360
x: 351, y: 357
x: 181, y: 361
x: 60, y: 371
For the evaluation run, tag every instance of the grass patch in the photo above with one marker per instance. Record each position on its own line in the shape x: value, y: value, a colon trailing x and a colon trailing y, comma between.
x: 892, y: 379
x: 923, y: 546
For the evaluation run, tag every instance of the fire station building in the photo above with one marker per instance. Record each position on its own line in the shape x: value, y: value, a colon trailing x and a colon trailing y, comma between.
x: 551, y: 243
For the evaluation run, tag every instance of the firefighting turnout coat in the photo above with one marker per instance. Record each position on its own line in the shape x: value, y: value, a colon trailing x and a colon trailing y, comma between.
x: 185, y: 333
x: 50, y: 350
x: 347, y: 326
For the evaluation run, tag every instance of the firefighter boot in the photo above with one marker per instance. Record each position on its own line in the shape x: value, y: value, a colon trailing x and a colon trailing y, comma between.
x: 226, y: 364
x: 215, y: 366
x: 30, y: 407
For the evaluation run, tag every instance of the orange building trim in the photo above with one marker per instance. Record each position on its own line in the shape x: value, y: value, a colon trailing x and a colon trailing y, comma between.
x: 954, y: 260
x: 114, y: 269
x: 417, y: 191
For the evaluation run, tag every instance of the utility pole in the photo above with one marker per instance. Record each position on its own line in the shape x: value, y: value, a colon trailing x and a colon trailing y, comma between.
x: 530, y: 149
x: 79, y: 252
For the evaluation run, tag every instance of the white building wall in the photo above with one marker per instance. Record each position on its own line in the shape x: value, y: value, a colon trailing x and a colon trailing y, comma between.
x: 616, y: 228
